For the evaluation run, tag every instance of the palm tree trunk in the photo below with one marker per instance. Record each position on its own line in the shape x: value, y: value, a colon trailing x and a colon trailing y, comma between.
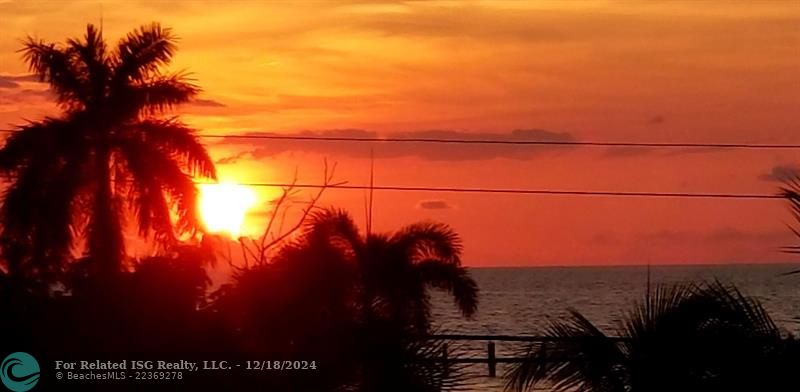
x: 106, y: 247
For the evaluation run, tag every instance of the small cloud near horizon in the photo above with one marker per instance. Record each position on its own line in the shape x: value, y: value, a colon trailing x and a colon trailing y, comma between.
x: 434, y: 205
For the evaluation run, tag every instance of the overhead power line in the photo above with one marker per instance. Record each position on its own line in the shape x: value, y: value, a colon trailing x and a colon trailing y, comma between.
x: 511, y: 191
x: 506, y: 142
x: 552, y: 192
x: 577, y: 143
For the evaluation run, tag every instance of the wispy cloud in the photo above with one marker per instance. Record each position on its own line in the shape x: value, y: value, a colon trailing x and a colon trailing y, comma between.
x: 208, y: 103
x: 725, y: 234
x: 13, y: 81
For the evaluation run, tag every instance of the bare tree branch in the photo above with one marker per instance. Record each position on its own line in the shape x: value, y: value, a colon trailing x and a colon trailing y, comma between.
x: 258, y: 249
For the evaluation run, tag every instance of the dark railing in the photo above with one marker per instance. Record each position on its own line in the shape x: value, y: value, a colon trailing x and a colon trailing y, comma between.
x: 491, y: 360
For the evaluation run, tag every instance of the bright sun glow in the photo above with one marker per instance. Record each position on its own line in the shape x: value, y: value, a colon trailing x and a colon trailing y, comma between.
x: 223, y: 207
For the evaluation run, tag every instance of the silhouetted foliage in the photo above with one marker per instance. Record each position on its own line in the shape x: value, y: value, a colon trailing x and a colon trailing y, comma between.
x: 154, y: 308
x: 791, y: 192
x: 398, y: 268
x: 354, y: 302
x: 110, y: 151
x: 683, y: 338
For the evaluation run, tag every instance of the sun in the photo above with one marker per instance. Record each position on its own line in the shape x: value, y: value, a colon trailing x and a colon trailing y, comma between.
x: 224, y: 206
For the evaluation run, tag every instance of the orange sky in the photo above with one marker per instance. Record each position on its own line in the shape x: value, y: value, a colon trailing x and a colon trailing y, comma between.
x: 679, y: 71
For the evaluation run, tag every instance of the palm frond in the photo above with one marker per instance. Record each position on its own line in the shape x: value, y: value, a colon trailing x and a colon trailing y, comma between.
x: 35, y: 140
x: 60, y: 212
x: 142, y: 52
x: 42, y: 220
x: 146, y: 199
x: 429, y: 368
x: 791, y: 192
x: 94, y: 65
x: 173, y: 137
x: 454, y: 279
x: 681, y: 312
x: 580, y: 357
x: 429, y: 240
x: 178, y: 185
x: 56, y: 66
x: 739, y: 313
x: 334, y: 225
x: 662, y: 310
x: 794, y: 272
x: 682, y: 337
x: 161, y: 93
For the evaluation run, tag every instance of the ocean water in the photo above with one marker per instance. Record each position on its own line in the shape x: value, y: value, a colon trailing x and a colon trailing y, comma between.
x: 519, y: 301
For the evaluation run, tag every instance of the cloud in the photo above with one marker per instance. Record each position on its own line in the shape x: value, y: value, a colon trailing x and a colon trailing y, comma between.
x: 231, y: 159
x: 19, y: 90
x: 625, y: 152
x: 656, y: 120
x: 477, y: 23
x: 321, y: 102
x: 15, y: 98
x: 6, y: 83
x: 208, y: 103
x: 12, y: 81
x: 781, y: 173
x: 429, y: 151
x: 722, y: 235
x: 434, y: 205
x: 731, y: 234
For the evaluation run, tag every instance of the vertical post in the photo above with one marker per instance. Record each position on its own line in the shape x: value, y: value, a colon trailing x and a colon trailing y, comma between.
x: 492, y: 360
x: 445, y: 357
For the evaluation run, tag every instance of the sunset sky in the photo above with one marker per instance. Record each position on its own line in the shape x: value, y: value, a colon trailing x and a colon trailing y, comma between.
x: 636, y: 71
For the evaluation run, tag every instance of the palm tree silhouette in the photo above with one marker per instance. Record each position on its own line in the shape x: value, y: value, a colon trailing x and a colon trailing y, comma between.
x: 111, y: 150
x: 353, y: 301
x: 706, y: 337
x: 397, y: 268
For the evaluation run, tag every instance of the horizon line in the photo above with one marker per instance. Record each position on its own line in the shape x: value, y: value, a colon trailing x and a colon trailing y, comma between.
x: 666, y: 264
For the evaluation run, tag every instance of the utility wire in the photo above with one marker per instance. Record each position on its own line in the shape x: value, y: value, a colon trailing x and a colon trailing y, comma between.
x: 754, y: 146
x: 517, y: 191
x: 506, y: 142
x: 553, y: 192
